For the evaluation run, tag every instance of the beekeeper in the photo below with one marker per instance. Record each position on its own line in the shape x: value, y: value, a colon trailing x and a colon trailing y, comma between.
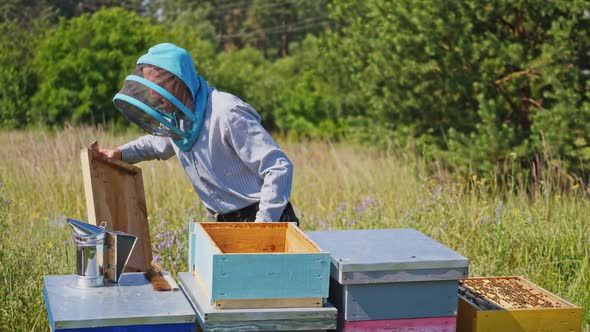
x: 237, y: 169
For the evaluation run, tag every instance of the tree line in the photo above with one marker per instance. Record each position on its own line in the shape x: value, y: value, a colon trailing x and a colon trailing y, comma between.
x: 467, y: 82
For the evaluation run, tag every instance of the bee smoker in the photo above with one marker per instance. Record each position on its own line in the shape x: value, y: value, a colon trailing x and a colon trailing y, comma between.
x: 100, y: 254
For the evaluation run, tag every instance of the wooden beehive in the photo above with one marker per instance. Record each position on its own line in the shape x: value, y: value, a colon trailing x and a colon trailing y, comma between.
x: 383, y: 275
x: 513, y: 304
x: 258, y: 265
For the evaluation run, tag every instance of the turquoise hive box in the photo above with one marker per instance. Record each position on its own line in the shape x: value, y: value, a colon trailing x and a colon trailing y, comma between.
x: 258, y: 265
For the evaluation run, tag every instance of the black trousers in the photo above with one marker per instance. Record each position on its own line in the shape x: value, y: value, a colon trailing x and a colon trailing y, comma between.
x: 248, y: 214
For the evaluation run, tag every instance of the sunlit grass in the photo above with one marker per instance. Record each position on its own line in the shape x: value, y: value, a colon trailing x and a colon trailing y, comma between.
x: 544, y: 237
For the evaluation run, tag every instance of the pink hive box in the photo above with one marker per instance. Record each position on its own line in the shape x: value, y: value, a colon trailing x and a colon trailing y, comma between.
x: 435, y: 324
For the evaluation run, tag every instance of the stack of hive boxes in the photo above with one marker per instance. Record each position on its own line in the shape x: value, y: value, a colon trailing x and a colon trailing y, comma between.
x: 257, y: 277
x: 392, y: 280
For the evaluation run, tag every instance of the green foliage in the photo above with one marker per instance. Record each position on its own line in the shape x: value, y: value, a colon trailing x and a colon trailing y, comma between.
x: 241, y: 72
x: 275, y: 27
x: 18, y: 75
x: 307, y: 104
x: 484, y: 79
x: 194, y: 33
x: 474, y: 84
x: 83, y: 62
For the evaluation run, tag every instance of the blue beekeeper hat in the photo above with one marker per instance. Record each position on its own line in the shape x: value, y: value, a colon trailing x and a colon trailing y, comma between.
x: 165, y: 96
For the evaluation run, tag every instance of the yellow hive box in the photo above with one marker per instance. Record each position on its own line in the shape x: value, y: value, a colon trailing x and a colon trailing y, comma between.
x: 511, y: 304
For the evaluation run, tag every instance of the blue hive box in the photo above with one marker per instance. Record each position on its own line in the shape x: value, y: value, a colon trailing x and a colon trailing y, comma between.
x: 385, y: 274
x: 130, y: 305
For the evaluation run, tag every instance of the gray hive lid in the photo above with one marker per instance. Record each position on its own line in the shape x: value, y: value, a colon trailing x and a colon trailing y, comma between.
x: 129, y: 303
x: 388, y: 255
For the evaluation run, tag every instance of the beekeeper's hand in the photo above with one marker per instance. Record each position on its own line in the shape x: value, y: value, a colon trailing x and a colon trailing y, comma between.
x: 114, y: 154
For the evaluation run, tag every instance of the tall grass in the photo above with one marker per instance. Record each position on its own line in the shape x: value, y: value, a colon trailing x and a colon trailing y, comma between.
x: 543, y: 235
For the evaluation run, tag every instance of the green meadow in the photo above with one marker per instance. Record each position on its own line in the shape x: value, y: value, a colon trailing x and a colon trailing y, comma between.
x: 542, y: 233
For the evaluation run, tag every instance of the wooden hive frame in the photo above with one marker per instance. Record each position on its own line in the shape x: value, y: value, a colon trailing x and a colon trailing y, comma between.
x: 115, y: 194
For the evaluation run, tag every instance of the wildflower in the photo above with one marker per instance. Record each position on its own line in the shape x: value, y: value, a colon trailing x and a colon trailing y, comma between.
x: 49, y: 245
x: 575, y: 186
x: 474, y: 177
x: 35, y: 215
x: 190, y: 190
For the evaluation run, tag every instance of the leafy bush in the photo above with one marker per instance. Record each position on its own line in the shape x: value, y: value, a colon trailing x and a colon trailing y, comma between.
x: 83, y: 62
x: 483, y: 79
x: 19, y: 81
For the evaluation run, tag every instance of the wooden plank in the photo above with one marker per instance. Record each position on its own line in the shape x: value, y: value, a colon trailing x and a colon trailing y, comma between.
x: 115, y: 194
x: 268, y: 276
x: 203, y: 252
x: 192, y: 238
x: 245, y: 240
x: 269, y: 325
x: 466, y: 315
x: 269, y: 303
x: 556, y: 320
x: 297, y: 242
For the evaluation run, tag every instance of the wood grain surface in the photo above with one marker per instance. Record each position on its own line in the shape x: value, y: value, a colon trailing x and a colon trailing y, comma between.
x: 115, y: 195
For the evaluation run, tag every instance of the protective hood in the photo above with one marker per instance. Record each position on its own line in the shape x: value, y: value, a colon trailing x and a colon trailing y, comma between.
x: 165, y: 96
